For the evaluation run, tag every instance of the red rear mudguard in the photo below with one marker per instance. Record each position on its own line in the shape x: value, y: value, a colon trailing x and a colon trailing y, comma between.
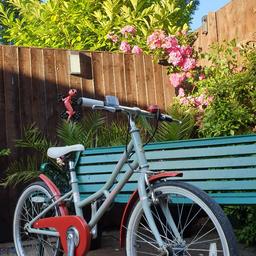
x: 56, y: 193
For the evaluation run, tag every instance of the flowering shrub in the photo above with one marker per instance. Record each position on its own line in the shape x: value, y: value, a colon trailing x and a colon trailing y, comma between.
x: 184, y: 72
x: 223, y: 99
x: 231, y: 82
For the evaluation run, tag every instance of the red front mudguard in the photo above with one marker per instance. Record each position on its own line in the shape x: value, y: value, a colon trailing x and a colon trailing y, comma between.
x: 133, y: 199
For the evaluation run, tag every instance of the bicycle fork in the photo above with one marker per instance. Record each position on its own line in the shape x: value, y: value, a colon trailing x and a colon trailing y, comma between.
x: 142, y: 182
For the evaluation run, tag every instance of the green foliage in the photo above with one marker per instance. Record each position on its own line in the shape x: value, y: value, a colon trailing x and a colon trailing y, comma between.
x: 21, y: 171
x: 5, y: 152
x: 35, y: 144
x: 224, y: 102
x: 233, y: 89
x: 77, y: 24
x: 91, y: 132
x: 244, y: 220
x: 85, y: 132
x: 175, y: 131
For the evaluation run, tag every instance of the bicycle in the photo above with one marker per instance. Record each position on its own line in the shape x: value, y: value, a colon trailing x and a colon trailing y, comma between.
x: 163, y: 216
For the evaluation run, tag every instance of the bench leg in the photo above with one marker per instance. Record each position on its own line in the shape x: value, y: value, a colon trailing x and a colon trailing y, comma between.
x: 94, y: 230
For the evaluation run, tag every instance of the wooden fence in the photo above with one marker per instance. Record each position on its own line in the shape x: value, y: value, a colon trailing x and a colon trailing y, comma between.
x: 31, y: 80
x: 236, y: 20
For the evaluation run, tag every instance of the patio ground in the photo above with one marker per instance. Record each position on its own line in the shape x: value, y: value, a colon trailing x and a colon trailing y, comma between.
x: 110, y: 247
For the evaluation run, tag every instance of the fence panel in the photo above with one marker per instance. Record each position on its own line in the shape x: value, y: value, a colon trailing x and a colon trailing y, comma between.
x: 236, y: 20
x: 32, y: 78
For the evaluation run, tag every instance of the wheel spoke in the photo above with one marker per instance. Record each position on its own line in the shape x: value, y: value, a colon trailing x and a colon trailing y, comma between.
x: 33, y: 201
x: 195, y: 215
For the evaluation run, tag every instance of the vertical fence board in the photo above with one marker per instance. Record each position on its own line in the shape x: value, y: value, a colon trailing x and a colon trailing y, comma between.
x: 2, y: 104
x: 149, y: 78
x: 51, y: 91
x: 140, y: 81
x: 61, y: 72
x: 97, y: 69
x: 25, y: 87
x: 118, y: 62
x: 108, y: 74
x: 11, y: 85
x: 131, y: 88
x: 87, y: 75
x: 12, y: 114
x: 38, y: 82
x: 62, y: 79
x: 158, y: 79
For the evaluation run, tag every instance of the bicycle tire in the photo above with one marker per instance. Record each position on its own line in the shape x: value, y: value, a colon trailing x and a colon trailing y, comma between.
x: 33, y: 200
x: 203, y: 209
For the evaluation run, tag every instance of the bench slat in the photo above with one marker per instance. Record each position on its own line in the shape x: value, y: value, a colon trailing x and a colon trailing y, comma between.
x: 228, y: 185
x: 188, y: 175
x: 176, y: 154
x: 180, y: 144
x: 221, y: 198
x: 177, y: 165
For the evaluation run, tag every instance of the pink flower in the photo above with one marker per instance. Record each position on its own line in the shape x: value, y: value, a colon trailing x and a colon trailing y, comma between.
x: 184, y: 100
x: 188, y: 64
x: 186, y: 51
x: 156, y: 39
x: 199, y: 101
x: 181, y: 92
x: 170, y: 42
x: 175, y: 57
x: 176, y: 79
x: 201, y: 77
x: 189, y: 74
x: 137, y: 50
x: 128, y: 30
x: 125, y: 47
x: 111, y: 36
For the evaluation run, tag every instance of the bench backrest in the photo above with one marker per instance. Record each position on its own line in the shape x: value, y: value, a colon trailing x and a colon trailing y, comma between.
x: 225, y: 167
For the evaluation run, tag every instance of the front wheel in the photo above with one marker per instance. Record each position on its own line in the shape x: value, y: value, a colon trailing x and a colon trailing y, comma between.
x: 190, y: 223
x: 34, y: 199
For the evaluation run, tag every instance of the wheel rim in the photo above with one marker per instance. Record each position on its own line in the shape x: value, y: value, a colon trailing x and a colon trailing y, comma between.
x: 204, y: 239
x: 33, y: 201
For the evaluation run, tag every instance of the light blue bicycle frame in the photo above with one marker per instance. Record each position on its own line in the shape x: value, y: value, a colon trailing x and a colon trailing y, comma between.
x: 140, y: 164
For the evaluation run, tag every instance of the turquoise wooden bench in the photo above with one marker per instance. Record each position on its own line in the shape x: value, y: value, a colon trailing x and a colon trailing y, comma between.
x: 225, y: 167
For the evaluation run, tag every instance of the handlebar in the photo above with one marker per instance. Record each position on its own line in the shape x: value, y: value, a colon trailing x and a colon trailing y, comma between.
x: 115, y: 107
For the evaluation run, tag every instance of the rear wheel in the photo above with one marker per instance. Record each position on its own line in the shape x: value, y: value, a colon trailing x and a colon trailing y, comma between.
x: 34, y: 199
x: 190, y: 223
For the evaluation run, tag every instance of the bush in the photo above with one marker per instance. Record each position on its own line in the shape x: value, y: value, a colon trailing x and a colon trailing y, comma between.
x: 86, y: 24
x: 232, y: 86
x: 244, y: 222
x: 223, y: 101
